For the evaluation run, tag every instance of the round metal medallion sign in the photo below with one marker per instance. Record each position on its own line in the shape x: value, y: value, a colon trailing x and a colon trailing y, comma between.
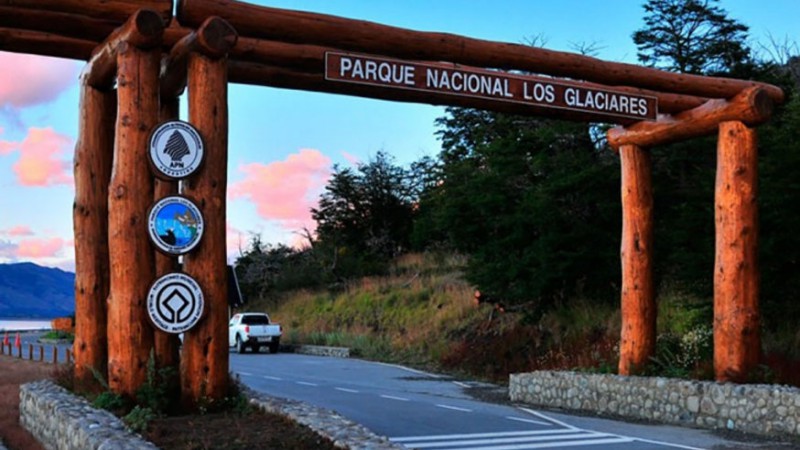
x: 175, y: 303
x: 175, y: 225
x: 176, y: 150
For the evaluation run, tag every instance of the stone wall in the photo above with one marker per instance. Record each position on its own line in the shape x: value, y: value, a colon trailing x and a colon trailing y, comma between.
x: 60, y: 420
x: 760, y: 409
x: 320, y: 350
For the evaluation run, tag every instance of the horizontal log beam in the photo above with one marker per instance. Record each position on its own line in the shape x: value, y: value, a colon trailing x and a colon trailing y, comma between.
x: 144, y: 30
x: 752, y: 106
x: 46, y: 44
x: 280, y: 77
x: 214, y: 39
x: 116, y: 11
x: 59, y: 23
x: 311, y: 58
x: 369, y: 37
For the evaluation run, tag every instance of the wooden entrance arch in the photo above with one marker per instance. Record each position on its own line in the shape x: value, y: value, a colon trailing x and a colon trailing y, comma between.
x: 140, y: 59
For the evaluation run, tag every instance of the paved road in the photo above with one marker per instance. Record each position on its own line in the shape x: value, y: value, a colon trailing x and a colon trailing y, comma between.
x: 423, y: 411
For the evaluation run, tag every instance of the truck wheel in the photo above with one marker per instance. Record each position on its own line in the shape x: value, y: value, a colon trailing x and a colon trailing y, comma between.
x: 274, y: 346
x: 240, y: 347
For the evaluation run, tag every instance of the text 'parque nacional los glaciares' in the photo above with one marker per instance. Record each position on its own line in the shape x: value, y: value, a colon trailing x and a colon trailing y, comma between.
x: 487, y: 84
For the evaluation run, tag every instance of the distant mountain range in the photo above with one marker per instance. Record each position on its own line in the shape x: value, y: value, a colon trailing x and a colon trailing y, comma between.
x: 31, y: 291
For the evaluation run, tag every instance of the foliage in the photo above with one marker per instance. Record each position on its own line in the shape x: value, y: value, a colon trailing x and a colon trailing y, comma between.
x: 534, y: 203
x: 691, y: 36
x: 160, y: 392
x: 364, y: 216
x: 110, y: 402
x: 139, y: 418
x: 59, y: 335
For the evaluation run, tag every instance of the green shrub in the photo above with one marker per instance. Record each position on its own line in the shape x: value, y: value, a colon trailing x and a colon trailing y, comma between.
x: 139, y: 418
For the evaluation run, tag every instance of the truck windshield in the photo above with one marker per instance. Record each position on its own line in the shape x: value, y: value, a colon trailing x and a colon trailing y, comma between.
x: 255, y: 320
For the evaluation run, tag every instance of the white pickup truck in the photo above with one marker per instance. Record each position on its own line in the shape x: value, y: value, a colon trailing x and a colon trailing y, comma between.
x: 253, y: 330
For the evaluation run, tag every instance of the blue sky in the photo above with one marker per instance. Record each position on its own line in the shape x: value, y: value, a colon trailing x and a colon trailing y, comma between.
x: 283, y: 143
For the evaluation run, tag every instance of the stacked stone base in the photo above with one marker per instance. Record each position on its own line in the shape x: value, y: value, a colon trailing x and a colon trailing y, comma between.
x: 60, y: 420
x: 759, y: 409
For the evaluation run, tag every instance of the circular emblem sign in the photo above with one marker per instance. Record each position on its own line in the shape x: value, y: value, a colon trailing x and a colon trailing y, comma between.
x: 175, y: 225
x: 175, y: 303
x: 176, y: 150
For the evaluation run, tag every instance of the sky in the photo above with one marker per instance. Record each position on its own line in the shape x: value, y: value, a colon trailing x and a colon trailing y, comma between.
x: 283, y: 144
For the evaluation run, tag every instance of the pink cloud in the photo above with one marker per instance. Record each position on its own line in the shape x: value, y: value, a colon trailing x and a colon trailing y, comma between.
x: 235, y: 239
x: 351, y: 158
x: 31, y: 80
x: 40, y: 248
x: 285, y: 191
x: 41, y: 160
x: 19, y: 230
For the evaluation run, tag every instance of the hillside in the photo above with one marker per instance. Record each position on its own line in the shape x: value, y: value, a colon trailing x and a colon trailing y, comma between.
x: 31, y: 291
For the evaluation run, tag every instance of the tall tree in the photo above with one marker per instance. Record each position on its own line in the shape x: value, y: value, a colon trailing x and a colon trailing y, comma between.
x: 366, y: 214
x: 534, y: 203
x: 691, y: 36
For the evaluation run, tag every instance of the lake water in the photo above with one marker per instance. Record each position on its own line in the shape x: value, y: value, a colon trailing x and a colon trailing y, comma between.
x: 24, y: 324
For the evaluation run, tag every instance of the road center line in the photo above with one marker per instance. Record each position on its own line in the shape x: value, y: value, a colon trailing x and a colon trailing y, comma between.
x: 392, y: 397
x: 246, y: 374
x: 273, y: 378
x: 463, y: 385
x: 454, y: 408
x: 352, y: 391
x: 537, y: 422
x: 306, y: 383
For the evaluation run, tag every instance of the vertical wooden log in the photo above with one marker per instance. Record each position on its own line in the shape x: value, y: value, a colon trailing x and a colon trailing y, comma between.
x: 638, y: 339
x: 93, y: 157
x: 30, y: 352
x: 166, y: 344
x: 55, y: 354
x: 130, y: 335
x: 41, y: 353
x: 204, y: 358
x: 737, y: 344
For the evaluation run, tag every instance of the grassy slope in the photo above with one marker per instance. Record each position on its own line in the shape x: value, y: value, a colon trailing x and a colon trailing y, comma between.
x: 423, y: 314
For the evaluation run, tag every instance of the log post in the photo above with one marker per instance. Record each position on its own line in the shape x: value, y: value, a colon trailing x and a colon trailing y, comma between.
x: 93, y: 158
x: 204, y: 368
x: 130, y: 334
x: 638, y: 339
x: 166, y: 344
x: 737, y: 344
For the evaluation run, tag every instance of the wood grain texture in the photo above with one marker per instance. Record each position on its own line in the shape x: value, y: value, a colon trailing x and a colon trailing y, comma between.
x: 737, y: 344
x: 369, y: 37
x: 130, y: 334
x: 94, y: 152
x: 167, y: 345
x: 204, y: 357
x: 752, y: 106
x: 638, y: 339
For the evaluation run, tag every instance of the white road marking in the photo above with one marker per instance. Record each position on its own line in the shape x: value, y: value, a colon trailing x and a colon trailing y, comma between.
x: 463, y: 385
x: 667, y: 444
x: 247, y: 374
x: 454, y: 408
x: 478, y: 435
x: 537, y: 422
x: 392, y: 397
x: 408, y: 369
x: 648, y: 441
x: 523, y: 442
x: 553, y: 444
x: 273, y: 378
x: 305, y: 383
x: 352, y: 391
x: 550, y: 419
